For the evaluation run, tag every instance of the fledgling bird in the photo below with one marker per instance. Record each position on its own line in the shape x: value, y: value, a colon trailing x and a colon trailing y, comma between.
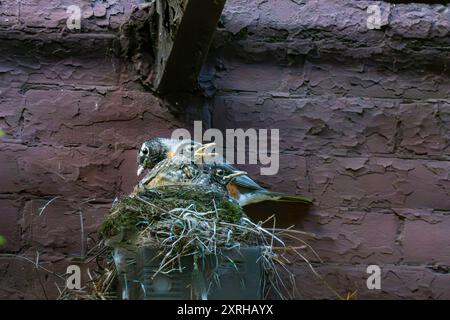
x: 175, y: 171
x: 185, y: 171
x: 155, y: 150
x: 238, y: 184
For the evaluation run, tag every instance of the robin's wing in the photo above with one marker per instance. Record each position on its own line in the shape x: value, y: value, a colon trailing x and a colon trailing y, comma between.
x: 243, y: 181
x: 153, y: 173
x: 174, y: 171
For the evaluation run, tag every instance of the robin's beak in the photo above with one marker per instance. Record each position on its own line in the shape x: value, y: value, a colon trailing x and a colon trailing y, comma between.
x: 140, y: 170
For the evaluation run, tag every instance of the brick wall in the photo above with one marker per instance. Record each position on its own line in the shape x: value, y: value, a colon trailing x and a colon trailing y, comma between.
x: 364, y: 127
x: 363, y: 118
x: 73, y: 114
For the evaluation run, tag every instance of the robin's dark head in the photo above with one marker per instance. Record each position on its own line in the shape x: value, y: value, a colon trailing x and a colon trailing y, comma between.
x: 152, y: 152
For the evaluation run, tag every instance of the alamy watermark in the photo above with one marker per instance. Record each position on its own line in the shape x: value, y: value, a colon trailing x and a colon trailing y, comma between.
x: 73, y: 281
x: 73, y: 22
x: 251, y: 146
x: 377, y: 15
x: 374, y: 280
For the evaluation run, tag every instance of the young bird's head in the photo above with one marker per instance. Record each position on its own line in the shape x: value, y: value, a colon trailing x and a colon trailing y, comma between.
x: 152, y: 152
x: 158, y: 149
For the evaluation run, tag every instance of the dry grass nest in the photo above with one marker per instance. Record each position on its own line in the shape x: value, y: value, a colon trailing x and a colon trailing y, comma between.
x: 191, y: 221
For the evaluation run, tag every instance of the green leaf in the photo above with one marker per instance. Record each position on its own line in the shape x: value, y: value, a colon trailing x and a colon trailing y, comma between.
x: 2, y: 241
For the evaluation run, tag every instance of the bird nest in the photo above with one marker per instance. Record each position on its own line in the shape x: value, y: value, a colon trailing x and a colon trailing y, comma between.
x: 159, y: 216
x: 186, y: 221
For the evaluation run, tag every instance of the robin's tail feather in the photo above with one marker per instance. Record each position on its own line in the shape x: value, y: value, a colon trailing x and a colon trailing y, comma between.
x: 287, y: 198
x: 260, y: 196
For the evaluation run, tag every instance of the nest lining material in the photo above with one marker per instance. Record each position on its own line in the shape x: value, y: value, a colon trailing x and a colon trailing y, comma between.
x: 169, y: 204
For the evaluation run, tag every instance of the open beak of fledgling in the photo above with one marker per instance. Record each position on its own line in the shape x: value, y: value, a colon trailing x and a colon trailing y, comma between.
x: 200, y: 151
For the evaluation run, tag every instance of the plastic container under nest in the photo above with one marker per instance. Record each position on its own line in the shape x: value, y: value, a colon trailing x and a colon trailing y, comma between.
x: 238, y: 274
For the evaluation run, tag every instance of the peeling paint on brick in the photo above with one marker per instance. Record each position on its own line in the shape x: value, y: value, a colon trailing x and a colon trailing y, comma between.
x: 364, y: 118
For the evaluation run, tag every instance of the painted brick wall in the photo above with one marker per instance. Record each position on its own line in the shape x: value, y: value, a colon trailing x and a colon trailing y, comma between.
x: 363, y: 118
x: 364, y: 127
x: 73, y: 114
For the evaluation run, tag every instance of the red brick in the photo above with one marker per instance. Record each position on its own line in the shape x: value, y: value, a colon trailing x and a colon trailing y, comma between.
x: 342, y: 126
x: 349, y: 236
x: 425, y: 237
x: 397, y: 282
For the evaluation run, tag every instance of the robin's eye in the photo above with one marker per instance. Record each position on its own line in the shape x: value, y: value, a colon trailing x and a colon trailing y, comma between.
x: 145, y: 151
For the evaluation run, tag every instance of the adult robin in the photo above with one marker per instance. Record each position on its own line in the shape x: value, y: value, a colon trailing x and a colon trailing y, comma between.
x: 238, y: 184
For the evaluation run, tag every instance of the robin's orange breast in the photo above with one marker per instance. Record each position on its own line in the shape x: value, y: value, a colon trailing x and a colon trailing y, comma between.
x: 233, y: 190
